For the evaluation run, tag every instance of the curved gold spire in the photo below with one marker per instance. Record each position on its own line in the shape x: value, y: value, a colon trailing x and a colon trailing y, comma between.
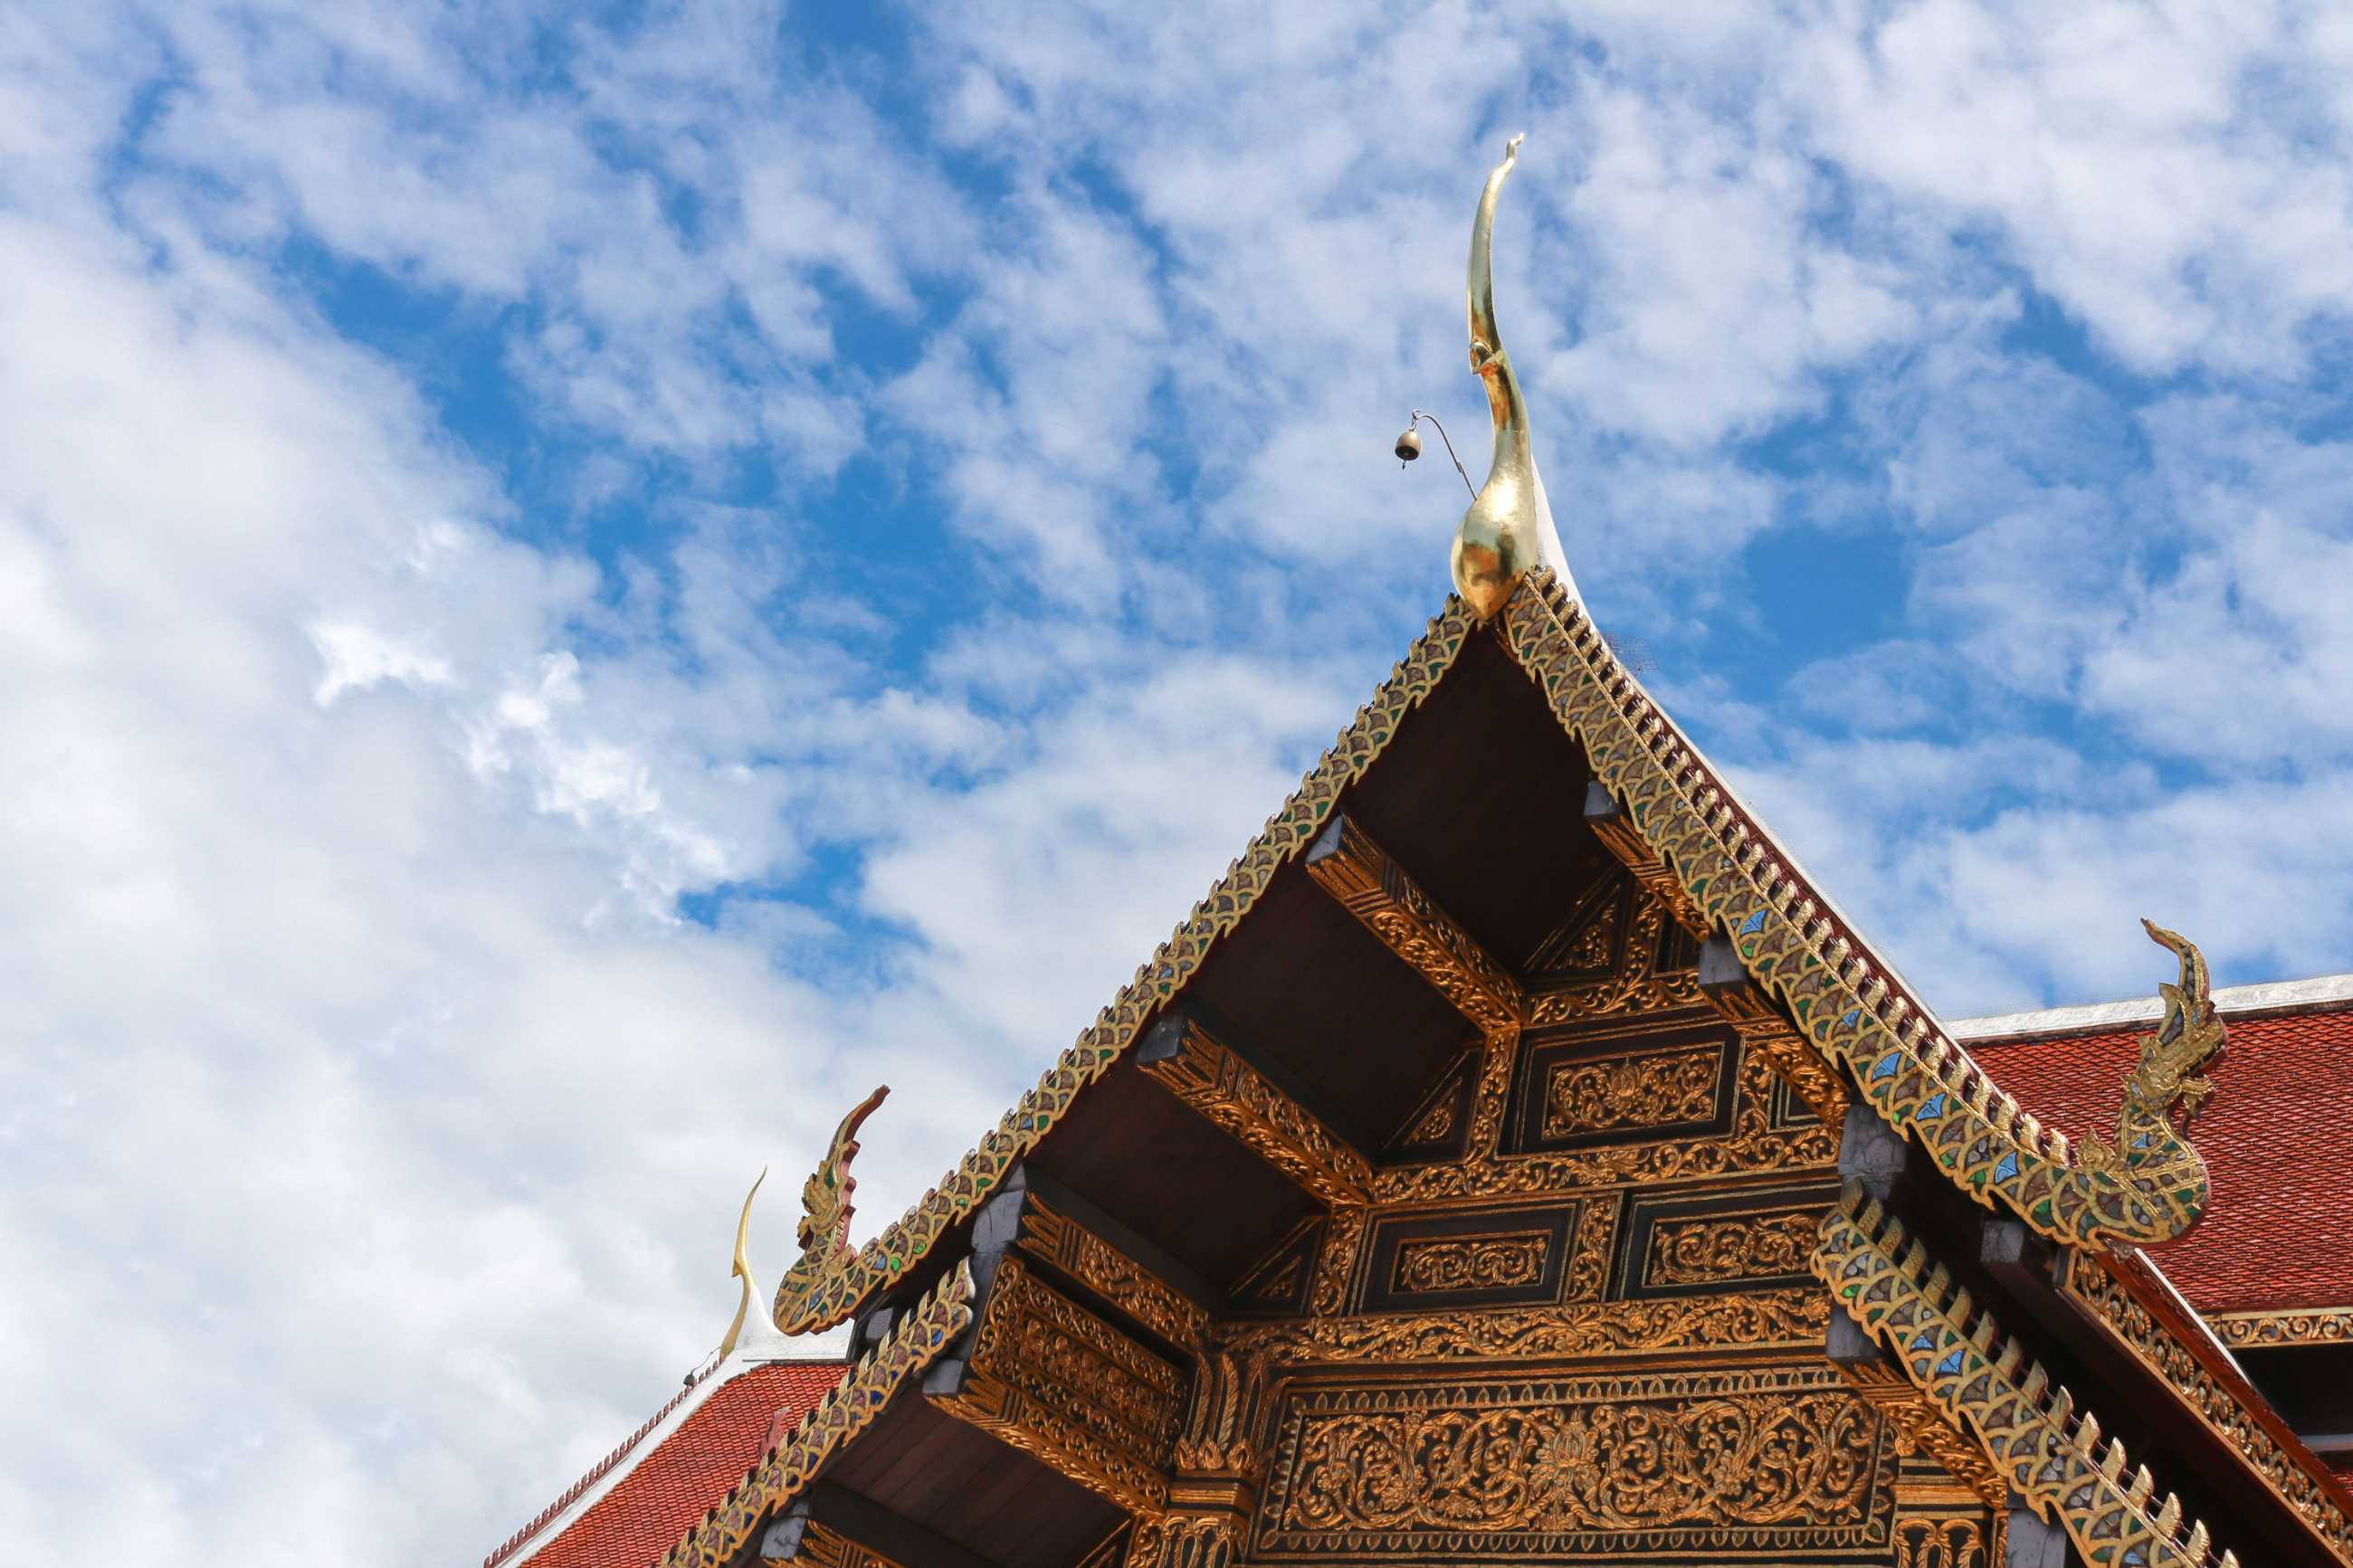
x: 1509, y: 527
x: 743, y: 1269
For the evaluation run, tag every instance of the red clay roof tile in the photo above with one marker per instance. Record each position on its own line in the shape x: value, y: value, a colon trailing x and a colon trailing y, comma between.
x: 681, y: 1479
x: 2278, y: 1230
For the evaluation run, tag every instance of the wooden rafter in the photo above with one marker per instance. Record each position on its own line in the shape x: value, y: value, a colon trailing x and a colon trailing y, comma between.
x: 1197, y: 1068
x: 1615, y: 827
x: 1370, y: 885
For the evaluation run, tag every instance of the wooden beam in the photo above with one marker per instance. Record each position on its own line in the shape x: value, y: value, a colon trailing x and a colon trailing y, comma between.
x: 1370, y: 885
x: 1765, y: 1030
x: 869, y: 1530
x: 1614, y: 826
x: 1045, y: 1374
x: 1059, y: 1228
x: 1193, y: 1065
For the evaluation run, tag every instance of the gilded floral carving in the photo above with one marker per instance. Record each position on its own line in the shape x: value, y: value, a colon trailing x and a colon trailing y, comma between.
x: 1777, y: 1460
x: 1655, y: 1089
x: 1434, y: 1265
x: 1718, y: 1249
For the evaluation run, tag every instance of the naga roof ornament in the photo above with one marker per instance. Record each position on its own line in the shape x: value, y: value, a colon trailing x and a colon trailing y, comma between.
x: 1509, y: 528
x: 826, y: 1208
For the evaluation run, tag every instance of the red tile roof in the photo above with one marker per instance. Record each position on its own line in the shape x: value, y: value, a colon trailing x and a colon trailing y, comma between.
x: 2278, y: 1230
x: 673, y: 1484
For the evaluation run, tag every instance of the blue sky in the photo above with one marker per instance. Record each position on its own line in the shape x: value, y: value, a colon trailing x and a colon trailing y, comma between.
x: 579, y: 586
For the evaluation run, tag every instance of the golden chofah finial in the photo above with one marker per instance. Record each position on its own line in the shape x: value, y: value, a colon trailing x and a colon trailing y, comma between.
x: 1508, y: 528
x: 743, y: 1268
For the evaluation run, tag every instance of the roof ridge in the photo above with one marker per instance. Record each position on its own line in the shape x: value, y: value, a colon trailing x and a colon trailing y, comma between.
x: 2249, y: 1001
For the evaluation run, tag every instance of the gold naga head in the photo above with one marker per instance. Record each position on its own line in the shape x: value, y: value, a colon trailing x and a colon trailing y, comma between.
x: 824, y: 1196
x: 2190, y: 1035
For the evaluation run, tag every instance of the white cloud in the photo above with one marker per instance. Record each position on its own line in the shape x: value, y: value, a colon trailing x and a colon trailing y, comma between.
x: 348, y: 1019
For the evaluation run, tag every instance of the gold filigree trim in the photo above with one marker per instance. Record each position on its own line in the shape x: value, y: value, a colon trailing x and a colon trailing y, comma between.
x: 1367, y: 882
x: 827, y: 1298
x: 1051, y: 1378
x: 1848, y: 1004
x: 824, y: 1548
x: 1958, y: 1355
x: 2297, y: 1326
x: 1588, y: 1260
x: 1733, y: 1461
x: 1336, y: 1265
x: 2304, y: 1490
x: 1941, y: 1543
x: 1753, y: 1146
x: 1717, y: 1250
x: 787, y: 1469
x: 1760, y: 1319
x: 1435, y: 1264
x: 1638, y: 985
x: 1648, y: 1088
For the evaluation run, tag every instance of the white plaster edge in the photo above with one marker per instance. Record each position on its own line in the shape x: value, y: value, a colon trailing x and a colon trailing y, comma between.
x: 2102, y: 1018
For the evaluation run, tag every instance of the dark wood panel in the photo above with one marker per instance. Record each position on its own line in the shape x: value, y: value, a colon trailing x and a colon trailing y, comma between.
x: 1152, y: 1164
x: 1304, y: 992
x: 1481, y: 797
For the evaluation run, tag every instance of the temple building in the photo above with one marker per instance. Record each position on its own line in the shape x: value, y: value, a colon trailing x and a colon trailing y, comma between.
x: 1517, y: 1156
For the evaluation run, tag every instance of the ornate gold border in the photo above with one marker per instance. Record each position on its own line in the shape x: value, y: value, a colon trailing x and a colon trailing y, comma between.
x: 882, y: 1261
x: 1756, y: 1319
x: 794, y: 1462
x: 1852, y: 1009
x: 2289, y: 1326
x: 1958, y: 1356
x: 2107, y: 1299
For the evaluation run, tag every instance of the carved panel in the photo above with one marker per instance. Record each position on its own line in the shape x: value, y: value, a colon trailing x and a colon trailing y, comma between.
x: 1644, y: 1092
x: 1434, y: 1129
x: 1708, y: 1249
x: 1706, y: 1462
x: 1051, y: 1378
x: 1475, y: 1259
x: 1723, y: 1241
x: 1585, y: 945
x: 1579, y: 1094
x: 1435, y: 1265
x: 1752, y: 1146
x: 1200, y: 1071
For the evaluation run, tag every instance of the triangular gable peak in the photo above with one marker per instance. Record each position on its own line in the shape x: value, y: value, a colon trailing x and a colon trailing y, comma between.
x: 1514, y: 1037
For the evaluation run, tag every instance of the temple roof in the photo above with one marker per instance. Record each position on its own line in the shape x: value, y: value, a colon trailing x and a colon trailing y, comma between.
x: 636, y: 1502
x: 2275, y: 1237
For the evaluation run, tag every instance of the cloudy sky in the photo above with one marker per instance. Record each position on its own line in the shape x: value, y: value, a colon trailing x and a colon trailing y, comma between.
x: 578, y: 589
